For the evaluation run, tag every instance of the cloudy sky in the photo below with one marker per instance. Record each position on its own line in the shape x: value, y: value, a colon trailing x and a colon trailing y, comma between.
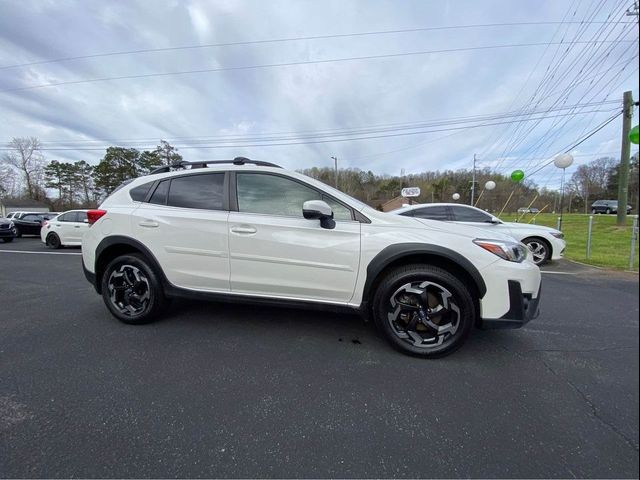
x: 560, y: 72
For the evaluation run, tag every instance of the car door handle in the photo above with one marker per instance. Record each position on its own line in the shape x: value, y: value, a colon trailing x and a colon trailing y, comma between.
x: 244, y: 230
x: 76, y: 226
x: 148, y: 224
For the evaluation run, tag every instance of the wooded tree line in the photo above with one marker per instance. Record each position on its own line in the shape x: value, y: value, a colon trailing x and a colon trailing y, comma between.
x: 24, y: 172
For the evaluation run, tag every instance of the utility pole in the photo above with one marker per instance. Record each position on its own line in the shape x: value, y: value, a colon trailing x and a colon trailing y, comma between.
x: 623, y: 169
x: 473, y: 181
x: 335, y: 159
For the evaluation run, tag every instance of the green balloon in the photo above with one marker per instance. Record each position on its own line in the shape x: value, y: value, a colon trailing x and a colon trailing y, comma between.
x: 633, y: 135
x: 517, y: 175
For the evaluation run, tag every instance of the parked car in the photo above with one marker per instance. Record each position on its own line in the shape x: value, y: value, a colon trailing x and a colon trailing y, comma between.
x: 607, y: 206
x: 65, y: 229
x: 252, y: 232
x: 528, y: 210
x: 7, y: 230
x: 544, y: 243
x: 28, y: 223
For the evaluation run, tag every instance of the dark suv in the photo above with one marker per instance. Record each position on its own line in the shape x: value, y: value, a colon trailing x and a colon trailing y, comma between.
x: 7, y: 230
x: 607, y: 206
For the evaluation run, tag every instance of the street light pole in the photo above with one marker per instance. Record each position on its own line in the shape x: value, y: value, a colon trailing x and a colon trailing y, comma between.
x: 335, y: 159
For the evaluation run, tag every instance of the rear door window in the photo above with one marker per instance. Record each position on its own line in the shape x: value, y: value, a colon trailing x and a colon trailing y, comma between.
x: 203, y: 191
x: 467, y: 214
x: 437, y: 212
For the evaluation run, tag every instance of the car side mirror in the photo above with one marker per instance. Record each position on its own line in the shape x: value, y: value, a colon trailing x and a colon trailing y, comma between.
x: 318, y: 209
x: 495, y: 220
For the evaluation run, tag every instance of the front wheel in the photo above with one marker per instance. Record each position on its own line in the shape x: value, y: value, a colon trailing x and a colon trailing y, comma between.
x: 53, y: 241
x: 423, y: 310
x: 540, y: 250
x: 132, y: 291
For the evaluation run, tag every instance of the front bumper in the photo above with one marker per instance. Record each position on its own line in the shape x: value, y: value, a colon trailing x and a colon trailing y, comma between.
x: 523, y: 308
x: 7, y: 233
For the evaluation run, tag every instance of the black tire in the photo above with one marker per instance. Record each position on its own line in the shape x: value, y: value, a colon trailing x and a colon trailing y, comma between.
x: 7, y: 240
x: 593, y: 211
x: 395, y: 318
x: 539, y: 248
x: 53, y: 241
x: 18, y: 233
x: 132, y: 290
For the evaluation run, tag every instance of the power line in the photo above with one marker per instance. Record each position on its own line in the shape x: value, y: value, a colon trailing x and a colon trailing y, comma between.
x: 282, y: 40
x: 277, y: 65
x: 307, y: 142
x: 380, y: 128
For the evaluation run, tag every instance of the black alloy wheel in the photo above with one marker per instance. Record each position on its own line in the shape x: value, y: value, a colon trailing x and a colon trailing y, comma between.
x: 131, y: 290
x: 53, y: 241
x: 424, y: 310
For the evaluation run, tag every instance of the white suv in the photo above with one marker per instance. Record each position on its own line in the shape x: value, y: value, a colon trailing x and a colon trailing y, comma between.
x: 252, y: 232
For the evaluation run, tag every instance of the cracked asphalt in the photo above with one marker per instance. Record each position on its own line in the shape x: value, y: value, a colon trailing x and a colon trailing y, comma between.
x: 216, y: 390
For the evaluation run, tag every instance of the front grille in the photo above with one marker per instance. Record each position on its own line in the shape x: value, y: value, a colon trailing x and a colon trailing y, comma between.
x: 5, y: 226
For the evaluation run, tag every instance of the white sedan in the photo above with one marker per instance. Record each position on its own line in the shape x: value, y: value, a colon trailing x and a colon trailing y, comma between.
x: 545, y: 243
x: 65, y: 230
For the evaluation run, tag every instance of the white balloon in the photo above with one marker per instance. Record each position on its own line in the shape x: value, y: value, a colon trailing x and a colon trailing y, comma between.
x: 563, y: 160
x: 456, y: 196
x: 490, y: 185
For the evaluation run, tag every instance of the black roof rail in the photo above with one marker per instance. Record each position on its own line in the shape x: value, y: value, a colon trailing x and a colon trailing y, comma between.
x: 203, y: 164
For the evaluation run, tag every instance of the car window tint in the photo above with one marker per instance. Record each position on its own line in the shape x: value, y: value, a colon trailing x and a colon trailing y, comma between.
x: 340, y: 212
x: 407, y: 213
x: 273, y: 195
x: 139, y: 193
x: 438, y: 212
x: 81, y: 217
x: 32, y: 218
x: 467, y: 214
x: 159, y: 197
x: 197, y: 191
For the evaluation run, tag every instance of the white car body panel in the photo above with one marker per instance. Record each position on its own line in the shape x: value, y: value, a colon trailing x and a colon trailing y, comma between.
x: 70, y: 233
x: 291, y: 257
x: 518, y: 231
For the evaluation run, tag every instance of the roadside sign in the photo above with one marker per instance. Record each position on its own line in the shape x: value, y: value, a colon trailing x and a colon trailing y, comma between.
x: 410, y: 192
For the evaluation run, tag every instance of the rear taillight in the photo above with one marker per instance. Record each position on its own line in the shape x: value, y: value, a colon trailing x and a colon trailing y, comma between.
x: 94, y: 215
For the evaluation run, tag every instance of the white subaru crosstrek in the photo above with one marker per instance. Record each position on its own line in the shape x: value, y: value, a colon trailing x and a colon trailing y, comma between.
x: 250, y: 231
x: 545, y: 243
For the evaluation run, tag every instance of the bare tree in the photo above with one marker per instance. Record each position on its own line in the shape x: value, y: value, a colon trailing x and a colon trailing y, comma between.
x: 591, y: 179
x: 26, y: 157
x: 8, y: 181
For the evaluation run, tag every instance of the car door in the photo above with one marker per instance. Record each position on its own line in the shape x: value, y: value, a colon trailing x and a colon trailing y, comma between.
x: 75, y: 226
x: 30, y: 224
x: 183, y: 221
x: 275, y: 251
x: 63, y: 226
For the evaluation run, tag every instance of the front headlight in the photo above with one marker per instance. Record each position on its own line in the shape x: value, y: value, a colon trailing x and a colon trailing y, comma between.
x: 558, y: 234
x: 510, y: 251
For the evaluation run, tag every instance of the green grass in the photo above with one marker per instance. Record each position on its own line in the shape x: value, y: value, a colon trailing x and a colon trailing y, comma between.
x: 610, y: 244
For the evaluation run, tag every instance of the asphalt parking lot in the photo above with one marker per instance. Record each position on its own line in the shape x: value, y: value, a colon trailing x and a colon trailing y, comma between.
x: 216, y: 390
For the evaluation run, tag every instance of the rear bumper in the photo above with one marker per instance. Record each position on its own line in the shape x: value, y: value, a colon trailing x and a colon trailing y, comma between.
x: 522, y: 309
x: 91, y: 277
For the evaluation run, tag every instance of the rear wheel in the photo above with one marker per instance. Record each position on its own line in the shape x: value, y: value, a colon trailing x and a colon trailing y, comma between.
x: 53, y: 241
x: 540, y: 250
x: 132, y: 291
x: 423, y: 310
